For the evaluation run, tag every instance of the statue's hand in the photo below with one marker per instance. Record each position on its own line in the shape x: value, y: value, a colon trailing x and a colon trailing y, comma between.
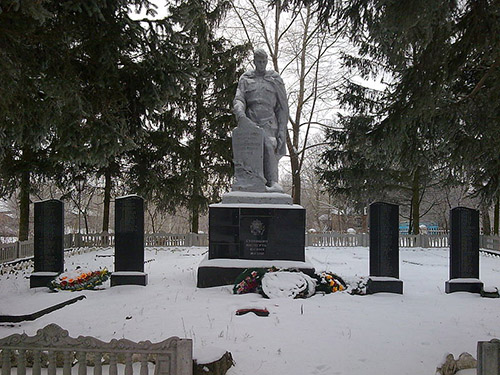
x: 245, y: 121
x: 280, y: 143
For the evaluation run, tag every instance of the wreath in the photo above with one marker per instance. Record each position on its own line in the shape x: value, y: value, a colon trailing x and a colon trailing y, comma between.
x: 79, y: 279
x: 274, y: 283
x: 249, y: 280
x: 328, y: 282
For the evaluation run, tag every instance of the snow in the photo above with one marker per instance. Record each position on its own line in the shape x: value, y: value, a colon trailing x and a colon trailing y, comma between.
x: 464, y: 281
x: 128, y: 273
x: 128, y: 196
x: 383, y: 278
x: 42, y: 273
x: 287, y: 284
x: 236, y: 263
x: 259, y: 205
x: 490, y: 289
x: 337, y: 333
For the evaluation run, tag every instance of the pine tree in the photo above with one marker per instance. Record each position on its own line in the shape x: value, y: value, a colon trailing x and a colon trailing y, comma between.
x: 198, y: 170
x: 39, y: 96
x: 81, y: 80
x: 443, y: 60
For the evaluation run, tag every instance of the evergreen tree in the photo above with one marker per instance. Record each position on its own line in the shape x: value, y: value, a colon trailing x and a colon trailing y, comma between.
x: 198, y: 169
x: 445, y: 69
x: 82, y: 78
x: 39, y: 96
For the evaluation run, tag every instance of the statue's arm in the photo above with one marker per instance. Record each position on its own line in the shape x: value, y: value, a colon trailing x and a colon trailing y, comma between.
x: 239, y: 102
x: 282, y: 112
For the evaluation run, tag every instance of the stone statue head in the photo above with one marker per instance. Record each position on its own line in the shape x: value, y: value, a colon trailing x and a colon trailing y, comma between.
x: 260, y: 60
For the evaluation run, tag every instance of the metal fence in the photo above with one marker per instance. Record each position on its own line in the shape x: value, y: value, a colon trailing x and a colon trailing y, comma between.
x: 25, y: 249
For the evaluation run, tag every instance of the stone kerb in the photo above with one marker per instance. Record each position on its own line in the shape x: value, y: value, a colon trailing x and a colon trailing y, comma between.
x: 52, y: 347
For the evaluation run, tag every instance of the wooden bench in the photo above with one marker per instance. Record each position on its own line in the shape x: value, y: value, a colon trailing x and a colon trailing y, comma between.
x: 54, y: 349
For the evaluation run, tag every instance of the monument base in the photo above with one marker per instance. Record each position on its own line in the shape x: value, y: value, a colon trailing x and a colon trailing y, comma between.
x: 218, y: 272
x: 245, y: 197
x: 129, y: 278
x: 378, y: 284
x: 42, y: 279
x: 257, y: 231
x: 463, y: 285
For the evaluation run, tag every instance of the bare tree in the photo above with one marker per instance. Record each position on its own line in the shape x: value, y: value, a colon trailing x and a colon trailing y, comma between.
x: 306, y: 57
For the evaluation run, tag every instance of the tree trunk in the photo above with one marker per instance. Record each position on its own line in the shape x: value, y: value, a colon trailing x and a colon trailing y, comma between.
x: 196, y: 197
x: 496, y: 219
x: 24, y: 206
x: 107, y: 199
x: 86, y: 220
x: 152, y: 219
x: 415, y: 202
x: 296, y: 181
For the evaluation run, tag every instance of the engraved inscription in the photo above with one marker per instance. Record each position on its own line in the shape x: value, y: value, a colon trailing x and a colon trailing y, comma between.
x: 248, y: 146
x: 256, y: 247
x: 254, y: 236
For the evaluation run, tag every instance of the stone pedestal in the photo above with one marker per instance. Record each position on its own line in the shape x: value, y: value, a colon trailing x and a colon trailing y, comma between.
x: 129, y: 242
x: 384, y: 249
x: 464, y: 251
x: 217, y: 272
x: 247, y: 235
x: 377, y: 284
x: 48, y: 242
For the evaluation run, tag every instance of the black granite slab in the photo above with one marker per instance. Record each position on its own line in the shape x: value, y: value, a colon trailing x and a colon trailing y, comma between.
x: 48, y: 242
x: 464, y: 251
x: 129, y: 234
x: 384, y: 249
x: 129, y: 242
x: 464, y: 243
x: 261, y: 233
x: 384, y: 239
x: 49, y: 236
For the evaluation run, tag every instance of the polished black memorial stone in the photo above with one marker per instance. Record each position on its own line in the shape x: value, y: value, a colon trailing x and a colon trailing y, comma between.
x: 252, y: 235
x: 384, y: 249
x: 464, y: 251
x: 129, y: 242
x: 48, y: 242
x: 262, y: 233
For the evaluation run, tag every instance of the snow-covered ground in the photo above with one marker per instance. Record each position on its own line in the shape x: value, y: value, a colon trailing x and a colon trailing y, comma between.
x: 381, y: 334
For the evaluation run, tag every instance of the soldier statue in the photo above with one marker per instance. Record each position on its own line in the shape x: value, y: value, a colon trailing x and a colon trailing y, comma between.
x: 261, y: 102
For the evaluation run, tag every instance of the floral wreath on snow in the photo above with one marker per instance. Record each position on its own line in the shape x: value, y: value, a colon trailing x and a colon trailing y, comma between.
x: 79, y: 279
x: 251, y: 281
x: 328, y: 282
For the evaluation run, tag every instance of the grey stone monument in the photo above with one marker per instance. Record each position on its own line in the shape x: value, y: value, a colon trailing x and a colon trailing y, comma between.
x: 464, y: 251
x: 256, y: 224
x: 48, y: 242
x: 248, y: 149
x: 488, y: 357
x: 129, y: 242
x: 384, y: 249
